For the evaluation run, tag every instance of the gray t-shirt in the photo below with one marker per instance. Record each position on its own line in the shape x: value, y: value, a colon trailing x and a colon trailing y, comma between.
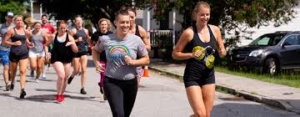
x: 3, y: 30
x: 38, y: 41
x: 116, y: 49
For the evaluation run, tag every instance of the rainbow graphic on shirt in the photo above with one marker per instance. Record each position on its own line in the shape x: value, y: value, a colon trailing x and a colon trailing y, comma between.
x: 118, y: 52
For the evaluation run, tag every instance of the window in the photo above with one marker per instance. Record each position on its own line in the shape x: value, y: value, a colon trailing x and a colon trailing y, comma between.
x: 263, y: 40
x: 291, y: 40
x: 268, y: 40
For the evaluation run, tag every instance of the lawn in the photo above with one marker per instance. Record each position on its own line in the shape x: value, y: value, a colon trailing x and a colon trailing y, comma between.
x: 290, y: 79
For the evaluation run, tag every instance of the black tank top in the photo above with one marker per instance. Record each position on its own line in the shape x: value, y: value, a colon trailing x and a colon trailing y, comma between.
x: 137, y: 32
x: 103, y: 54
x: 22, y: 49
x: 197, y: 68
x: 81, y: 44
x: 60, y: 51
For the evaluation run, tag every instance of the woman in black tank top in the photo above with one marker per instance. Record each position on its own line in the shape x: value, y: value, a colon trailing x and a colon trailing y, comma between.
x: 64, y: 48
x: 17, y: 38
x: 103, y: 29
x: 202, y: 42
x: 142, y: 33
x: 82, y: 39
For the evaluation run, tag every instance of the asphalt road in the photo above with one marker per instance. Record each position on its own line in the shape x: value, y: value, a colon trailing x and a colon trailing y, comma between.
x: 158, y: 96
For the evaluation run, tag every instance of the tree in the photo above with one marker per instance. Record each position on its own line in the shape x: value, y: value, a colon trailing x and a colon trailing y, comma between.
x: 15, y: 6
x: 234, y: 15
x: 89, y: 9
x: 228, y: 14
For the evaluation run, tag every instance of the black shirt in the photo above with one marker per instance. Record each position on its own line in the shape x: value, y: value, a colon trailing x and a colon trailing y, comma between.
x: 94, y: 40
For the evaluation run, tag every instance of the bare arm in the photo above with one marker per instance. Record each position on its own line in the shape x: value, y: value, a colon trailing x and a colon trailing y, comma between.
x: 45, y: 36
x: 28, y: 37
x: 143, y: 61
x: 88, y: 38
x: 143, y: 56
x: 73, y: 44
x: 8, y: 35
x: 96, y: 57
x: 50, y: 40
x: 145, y: 39
x: 185, y: 38
x: 72, y: 33
x: 220, y: 44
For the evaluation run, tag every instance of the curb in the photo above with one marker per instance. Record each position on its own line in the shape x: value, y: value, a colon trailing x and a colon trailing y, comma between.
x: 240, y: 93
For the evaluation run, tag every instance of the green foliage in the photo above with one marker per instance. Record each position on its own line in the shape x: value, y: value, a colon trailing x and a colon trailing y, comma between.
x: 15, y: 6
x: 230, y: 13
x: 165, y: 45
x: 236, y: 15
x: 89, y: 9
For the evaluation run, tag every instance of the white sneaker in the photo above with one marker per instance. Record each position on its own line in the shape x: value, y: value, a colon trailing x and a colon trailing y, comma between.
x: 36, y: 80
x: 44, y: 76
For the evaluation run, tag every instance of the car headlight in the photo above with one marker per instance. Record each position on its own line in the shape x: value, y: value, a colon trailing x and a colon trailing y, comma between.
x: 256, y: 53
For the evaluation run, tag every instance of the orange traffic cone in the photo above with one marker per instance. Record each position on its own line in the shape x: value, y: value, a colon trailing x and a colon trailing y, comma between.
x: 146, y: 72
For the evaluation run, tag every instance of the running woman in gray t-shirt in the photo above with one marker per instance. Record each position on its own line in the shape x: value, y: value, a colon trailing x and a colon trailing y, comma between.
x: 37, y: 52
x: 122, y: 49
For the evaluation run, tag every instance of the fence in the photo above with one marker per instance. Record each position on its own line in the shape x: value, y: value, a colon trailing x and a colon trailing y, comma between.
x: 162, y: 40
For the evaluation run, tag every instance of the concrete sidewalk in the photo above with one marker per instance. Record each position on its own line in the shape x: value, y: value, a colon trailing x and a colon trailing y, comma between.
x: 280, y: 96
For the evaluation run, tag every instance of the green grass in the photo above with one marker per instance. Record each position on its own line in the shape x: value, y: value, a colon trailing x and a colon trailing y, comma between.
x: 291, y: 79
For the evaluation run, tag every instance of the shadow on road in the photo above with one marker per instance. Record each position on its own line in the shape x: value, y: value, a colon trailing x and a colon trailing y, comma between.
x: 50, y: 98
x: 90, y: 63
x: 236, y: 109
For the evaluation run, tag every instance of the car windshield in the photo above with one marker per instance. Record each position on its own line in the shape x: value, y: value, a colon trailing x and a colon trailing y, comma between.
x: 267, y: 40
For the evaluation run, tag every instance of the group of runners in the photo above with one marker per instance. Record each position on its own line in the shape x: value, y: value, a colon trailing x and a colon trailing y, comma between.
x: 118, y: 56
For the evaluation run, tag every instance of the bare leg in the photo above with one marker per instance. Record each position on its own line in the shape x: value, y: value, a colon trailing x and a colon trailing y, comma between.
x: 22, y: 66
x: 208, y: 92
x: 40, y: 66
x: 83, y: 64
x: 60, y: 71
x: 33, y: 64
x: 76, y: 66
x: 13, y: 72
x: 194, y: 94
x: 67, y: 67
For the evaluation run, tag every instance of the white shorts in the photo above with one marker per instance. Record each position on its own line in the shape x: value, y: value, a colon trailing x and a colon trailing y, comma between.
x: 33, y: 54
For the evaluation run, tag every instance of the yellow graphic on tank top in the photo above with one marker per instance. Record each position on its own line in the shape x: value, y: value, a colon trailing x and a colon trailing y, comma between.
x: 207, y: 55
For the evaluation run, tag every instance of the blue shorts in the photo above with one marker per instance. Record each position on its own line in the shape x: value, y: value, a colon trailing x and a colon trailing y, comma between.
x: 4, y: 57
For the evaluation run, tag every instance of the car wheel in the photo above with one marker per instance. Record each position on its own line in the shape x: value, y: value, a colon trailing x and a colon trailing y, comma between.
x: 271, y: 66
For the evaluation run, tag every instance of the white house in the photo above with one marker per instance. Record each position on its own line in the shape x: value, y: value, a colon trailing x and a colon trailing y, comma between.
x: 293, y: 25
x: 145, y: 19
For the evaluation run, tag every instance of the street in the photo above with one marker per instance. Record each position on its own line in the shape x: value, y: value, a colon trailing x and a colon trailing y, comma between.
x: 158, y: 96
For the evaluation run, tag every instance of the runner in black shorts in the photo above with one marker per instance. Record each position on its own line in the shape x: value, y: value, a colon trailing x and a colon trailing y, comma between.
x: 202, y: 43
x: 82, y: 40
x: 62, y: 55
x: 17, y: 38
x: 142, y: 33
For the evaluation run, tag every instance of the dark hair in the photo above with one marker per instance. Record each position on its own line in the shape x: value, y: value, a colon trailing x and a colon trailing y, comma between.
x: 132, y: 9
x: 61, y: 22
x: 36, y: 23
x: 121, y: 12
x: 44, y: 15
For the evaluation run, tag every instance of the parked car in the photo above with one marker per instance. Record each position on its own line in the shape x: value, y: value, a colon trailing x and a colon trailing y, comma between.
x: 270, y: 53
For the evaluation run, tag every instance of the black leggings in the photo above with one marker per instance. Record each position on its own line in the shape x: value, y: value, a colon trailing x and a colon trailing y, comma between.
x: 121, y: 95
